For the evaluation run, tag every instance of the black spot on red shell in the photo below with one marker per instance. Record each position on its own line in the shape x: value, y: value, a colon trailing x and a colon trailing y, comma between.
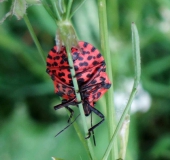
x: 76, y: 68
x: 70, y: 82
x: 79, y: 74
x: 98, y: 95
x: 55, y: 64
x: 69, y: 76
x: 63, y: 80
x: 49, y: 56
x: 95, y: 63
x: 102, y: 78
x: 103, y: 63
x: 83, y: 64
x: 99, y: 55
x: 98, y: 69
x: 85, y: 44
x: 65, y: 59
x: 89, y: 75
x: 47, y: 70
x: 60, y: 94
x: 80, y: 81
x: 80, y: 58
x: 93, y: 82
x: 75, y: 55
x: 107, y: 85
x: 62, y: 62
x: 53, y: 77
x: 48, y: 64
x: 60, y: 74
x: 89, y: 57
x: 93, y: 49
x: 56, y: 57
x: 53, y: 50
x: 85, y: 52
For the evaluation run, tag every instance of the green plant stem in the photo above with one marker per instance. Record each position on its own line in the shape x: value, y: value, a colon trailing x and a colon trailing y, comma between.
x: 69, y: 39
x: 136, y: 51
x: 48, y: 9
x: 69, y: 9
x: 106, y: 51
x: 115, y: 17
x: 136, y: 54
x: 78, y: 97
x: 81, y: 137
x: 133, y: 93
x: 56, y: 10
x: 40, y: 50
x: 77, y: 7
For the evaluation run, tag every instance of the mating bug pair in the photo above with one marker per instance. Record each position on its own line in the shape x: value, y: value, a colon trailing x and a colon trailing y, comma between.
x: 91, y: 76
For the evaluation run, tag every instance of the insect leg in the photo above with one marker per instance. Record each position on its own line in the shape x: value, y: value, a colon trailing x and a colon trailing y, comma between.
x: 94, y: 140
x: 65, y: 104
x: 67, y: 126
x: 71, y: 113
x: 98, y: 113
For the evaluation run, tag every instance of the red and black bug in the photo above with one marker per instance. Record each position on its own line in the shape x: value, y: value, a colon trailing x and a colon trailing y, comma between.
x: 91, y: 75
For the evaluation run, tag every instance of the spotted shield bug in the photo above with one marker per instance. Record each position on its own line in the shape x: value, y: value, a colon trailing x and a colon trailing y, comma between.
x: 91, y: 76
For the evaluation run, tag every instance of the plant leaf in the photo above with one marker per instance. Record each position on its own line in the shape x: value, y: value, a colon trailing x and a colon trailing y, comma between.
x: 18, y: 8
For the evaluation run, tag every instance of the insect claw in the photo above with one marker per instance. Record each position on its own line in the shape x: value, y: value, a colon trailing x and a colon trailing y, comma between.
x: 89, y: 134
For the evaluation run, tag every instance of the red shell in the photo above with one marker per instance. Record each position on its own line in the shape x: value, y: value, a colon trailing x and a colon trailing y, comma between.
x: 90, y: 69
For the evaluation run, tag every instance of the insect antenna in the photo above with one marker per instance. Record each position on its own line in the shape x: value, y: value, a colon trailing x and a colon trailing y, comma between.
x: 94, y: 140
x: 67, y: 126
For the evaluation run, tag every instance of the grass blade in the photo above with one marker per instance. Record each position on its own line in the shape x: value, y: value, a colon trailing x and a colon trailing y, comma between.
x: 136, y: 51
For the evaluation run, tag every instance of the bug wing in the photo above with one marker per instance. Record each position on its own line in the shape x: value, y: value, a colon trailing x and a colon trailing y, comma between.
x: 57, y: 67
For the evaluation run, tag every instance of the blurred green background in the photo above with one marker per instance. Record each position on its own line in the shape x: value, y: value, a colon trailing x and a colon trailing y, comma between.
x: 28, y: 122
